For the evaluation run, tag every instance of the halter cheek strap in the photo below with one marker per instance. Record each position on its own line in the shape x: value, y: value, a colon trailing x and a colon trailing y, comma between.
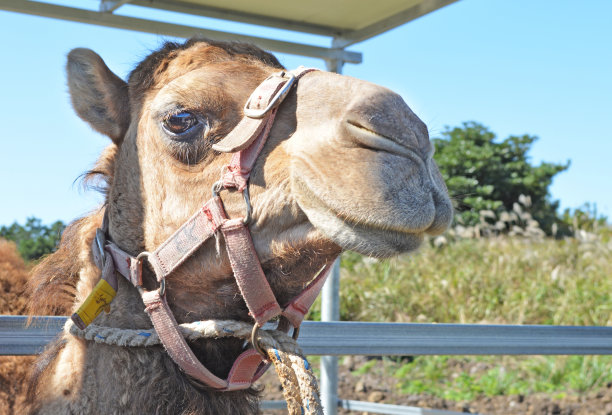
x: 246, y: 141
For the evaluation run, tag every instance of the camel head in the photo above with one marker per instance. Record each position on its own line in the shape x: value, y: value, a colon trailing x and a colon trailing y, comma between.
x: 347, y: 165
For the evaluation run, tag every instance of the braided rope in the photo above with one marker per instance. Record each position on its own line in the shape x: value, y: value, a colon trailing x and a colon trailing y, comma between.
x: 300, y: 387
x: 303, y: 383
x: 288, y: 379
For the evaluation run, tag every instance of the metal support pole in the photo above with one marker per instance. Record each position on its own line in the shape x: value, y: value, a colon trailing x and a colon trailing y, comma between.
x: 109, y: 6
x: 330, y: 311
x: 334, y: 65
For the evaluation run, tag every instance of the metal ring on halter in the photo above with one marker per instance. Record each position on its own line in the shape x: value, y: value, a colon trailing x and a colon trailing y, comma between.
x: 218, y: 186
x: 162, y: 287
x: 255, y: 343
x: 143, y: 254
x: 296, y: 333
x: 247, y: 201
x: 162, y: 283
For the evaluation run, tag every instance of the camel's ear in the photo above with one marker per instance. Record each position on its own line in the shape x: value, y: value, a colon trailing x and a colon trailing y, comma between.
x: 98, y: 95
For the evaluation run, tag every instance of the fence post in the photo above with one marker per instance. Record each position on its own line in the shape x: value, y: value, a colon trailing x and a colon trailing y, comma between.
x: 330, y: 311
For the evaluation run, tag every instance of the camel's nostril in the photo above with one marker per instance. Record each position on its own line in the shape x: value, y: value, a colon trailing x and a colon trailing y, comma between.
x: 370, y: 137
x: 386, y: 114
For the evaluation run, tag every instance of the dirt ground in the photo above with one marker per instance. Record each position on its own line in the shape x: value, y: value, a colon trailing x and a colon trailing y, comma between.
x: 368, y: 388
x: 375, y: 388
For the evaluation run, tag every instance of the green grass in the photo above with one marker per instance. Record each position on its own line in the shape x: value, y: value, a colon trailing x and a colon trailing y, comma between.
x: 499, y: 280
x: 465, y: 378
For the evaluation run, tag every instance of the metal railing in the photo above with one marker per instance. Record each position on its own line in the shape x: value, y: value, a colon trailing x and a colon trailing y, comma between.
x: 373, y: 408
x: 378, y: 339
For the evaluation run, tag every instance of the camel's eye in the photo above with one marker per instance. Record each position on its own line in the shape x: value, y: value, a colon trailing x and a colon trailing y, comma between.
x: 180, y: 123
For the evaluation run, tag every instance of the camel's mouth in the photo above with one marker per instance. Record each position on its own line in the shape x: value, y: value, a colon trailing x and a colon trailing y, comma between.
x: 362, y: 234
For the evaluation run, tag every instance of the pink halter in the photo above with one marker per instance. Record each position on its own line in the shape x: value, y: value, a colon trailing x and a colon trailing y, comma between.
x: 246, y: 141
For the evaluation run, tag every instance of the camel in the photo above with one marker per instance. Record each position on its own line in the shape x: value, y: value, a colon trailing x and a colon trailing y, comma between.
x: 346, y: 166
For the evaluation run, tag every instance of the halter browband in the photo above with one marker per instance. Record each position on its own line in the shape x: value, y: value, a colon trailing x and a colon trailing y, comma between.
x: 246, y: 141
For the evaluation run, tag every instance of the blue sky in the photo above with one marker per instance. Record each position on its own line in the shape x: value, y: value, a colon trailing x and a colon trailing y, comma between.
x: 517, y: 66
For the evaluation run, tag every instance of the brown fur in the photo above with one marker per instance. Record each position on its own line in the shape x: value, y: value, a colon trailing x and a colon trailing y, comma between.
x: 347, y: 166
x: 13, y: 278
x: 148, y: 73
x: 52, y: 285
x: 13, y: 369
x: 106, y: 109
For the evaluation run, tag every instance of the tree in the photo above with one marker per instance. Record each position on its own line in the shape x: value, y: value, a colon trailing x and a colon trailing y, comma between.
x: 483, y: 173
x: 33, y: 239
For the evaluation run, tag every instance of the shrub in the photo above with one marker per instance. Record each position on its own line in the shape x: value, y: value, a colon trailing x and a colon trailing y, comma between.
x: 483, y: 173
x: 33, y: 239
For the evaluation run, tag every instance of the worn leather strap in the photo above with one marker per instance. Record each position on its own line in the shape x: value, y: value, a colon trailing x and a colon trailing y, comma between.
x: 297, y: 308
x: 174, y: 343
x: 249, y: 276
x: 250, y: 135
x: 186, y: 239
x: 238, y: 171
x: 249, y: 127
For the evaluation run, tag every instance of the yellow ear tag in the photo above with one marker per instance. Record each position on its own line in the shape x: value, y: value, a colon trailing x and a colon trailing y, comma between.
x: 99, y: 299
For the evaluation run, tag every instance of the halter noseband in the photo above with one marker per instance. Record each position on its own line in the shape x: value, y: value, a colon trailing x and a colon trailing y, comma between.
x: 246, y: 141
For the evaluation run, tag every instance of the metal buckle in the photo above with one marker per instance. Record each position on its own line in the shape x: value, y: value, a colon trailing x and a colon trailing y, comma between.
x: 218, y: 186
x: 100, y: 243
x: 275, y: 101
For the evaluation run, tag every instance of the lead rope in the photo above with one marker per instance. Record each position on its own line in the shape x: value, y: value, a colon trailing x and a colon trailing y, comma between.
x: 300, y: 387
x: 295, y: 373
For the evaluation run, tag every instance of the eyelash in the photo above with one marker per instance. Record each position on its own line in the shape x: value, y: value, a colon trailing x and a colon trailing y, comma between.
x: 181, y: 123
x: 184, y: 131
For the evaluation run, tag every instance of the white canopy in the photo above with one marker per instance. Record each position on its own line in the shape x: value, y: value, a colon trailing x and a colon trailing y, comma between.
x: 345, y: 21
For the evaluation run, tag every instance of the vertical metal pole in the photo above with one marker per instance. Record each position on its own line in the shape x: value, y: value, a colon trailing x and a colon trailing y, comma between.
x: 330, y: 311
x: 334, y: 65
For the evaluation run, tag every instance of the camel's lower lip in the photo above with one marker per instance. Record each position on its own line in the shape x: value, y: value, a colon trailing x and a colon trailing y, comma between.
x: 361, y: 222
x: 365, y: 237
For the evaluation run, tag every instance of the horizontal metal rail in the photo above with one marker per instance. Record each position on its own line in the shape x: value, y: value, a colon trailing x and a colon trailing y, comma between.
x: 372, y: 408
x: 382, y: 408
x: 73, y: 14
x: 378, y: 339
x: 18, y: 338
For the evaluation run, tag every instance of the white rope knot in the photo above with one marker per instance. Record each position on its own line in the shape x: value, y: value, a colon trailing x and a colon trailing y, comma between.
x: 300, y: 386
